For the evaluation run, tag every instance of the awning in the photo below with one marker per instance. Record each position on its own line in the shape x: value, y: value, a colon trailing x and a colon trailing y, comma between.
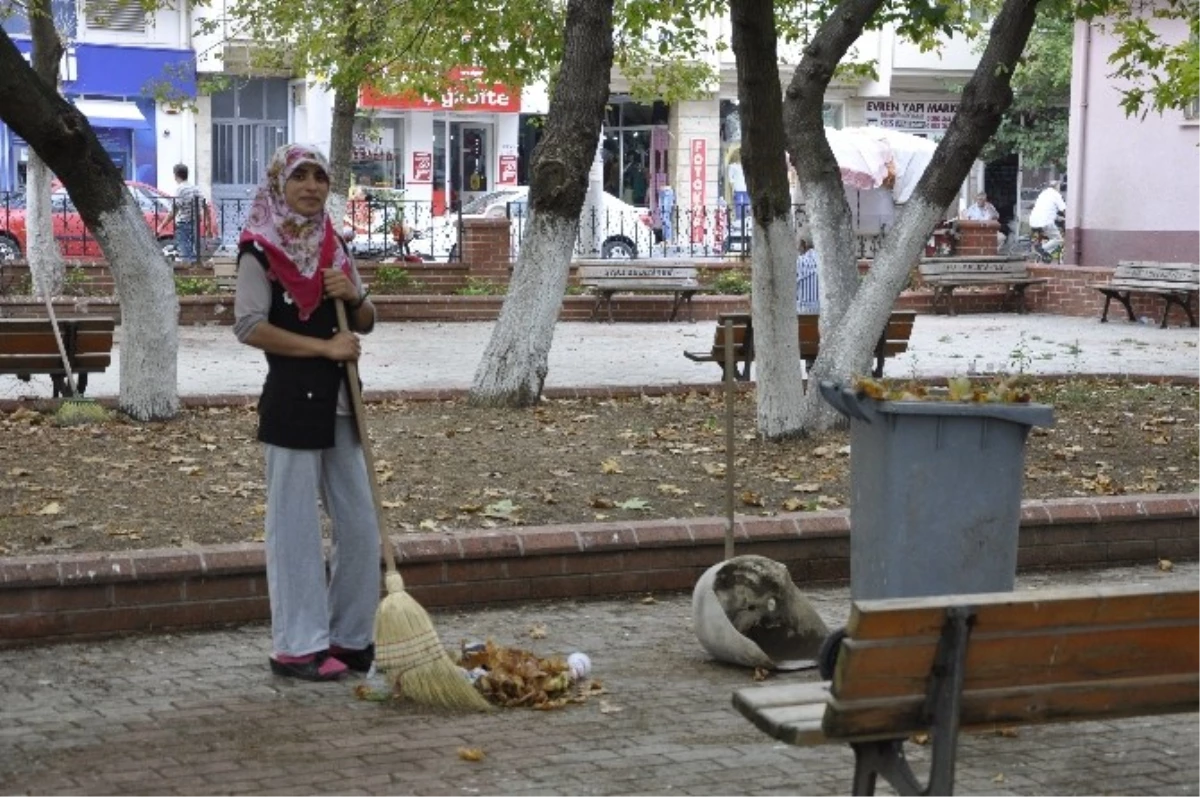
x: 111, y: 113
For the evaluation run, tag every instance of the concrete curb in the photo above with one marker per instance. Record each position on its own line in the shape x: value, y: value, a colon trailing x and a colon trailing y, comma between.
x: 73, y: 597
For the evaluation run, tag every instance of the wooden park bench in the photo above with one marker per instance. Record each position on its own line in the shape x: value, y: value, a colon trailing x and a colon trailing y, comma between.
x: 1176, y: 283
x: 944, y: 274
x: 980, y: 662
x: 28, y: 347
x: 893, y: 341
x: 628, y: 277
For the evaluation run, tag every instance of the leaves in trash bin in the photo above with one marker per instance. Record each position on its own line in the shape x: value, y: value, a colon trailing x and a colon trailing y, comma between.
x: 1001, y: 390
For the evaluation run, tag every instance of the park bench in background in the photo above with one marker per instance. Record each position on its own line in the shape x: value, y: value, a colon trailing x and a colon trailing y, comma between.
x: 28, y: 347
x: 1175, y: 282
x: 979, y: 662
x: 893, y: 341
x: 944, y: 274
x: 616, y: 277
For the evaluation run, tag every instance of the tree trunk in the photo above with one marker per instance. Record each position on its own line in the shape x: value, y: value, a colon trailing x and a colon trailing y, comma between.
x: 61, y: 135
x: 828, y: 216
x: 341, y: 128
x: 341, y: 141
x: 514, y: 364
x: 46, y: 265
x: 846, y: 348
x: 780, y: 382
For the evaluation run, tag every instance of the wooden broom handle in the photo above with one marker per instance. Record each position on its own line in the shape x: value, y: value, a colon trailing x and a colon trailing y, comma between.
x: 360, y: 420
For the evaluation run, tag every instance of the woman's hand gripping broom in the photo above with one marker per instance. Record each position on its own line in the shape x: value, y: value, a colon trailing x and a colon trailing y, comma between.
x: 407, y: 649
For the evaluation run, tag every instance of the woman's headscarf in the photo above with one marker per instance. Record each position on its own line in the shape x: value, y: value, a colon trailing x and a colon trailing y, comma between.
x: 297, y: 247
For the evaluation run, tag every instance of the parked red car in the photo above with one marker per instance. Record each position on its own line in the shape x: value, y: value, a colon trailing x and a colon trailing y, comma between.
x: 76, y: 241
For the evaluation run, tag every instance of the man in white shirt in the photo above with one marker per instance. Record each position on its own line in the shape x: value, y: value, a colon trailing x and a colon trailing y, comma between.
x: 981, y: 210
x: 1044, y: 217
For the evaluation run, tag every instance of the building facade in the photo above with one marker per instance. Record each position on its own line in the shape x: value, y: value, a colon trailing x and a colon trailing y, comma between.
x: 132, y: 74
x: 1133, y: 187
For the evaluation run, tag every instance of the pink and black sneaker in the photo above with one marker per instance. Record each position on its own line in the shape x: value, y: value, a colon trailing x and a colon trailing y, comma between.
x: 318, y: 666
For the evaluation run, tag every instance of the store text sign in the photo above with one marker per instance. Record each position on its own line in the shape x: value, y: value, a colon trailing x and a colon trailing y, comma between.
x: 469, y: 91
x: 508, y: 170
x: 697, y: 164
x: 910, y: 115
x: 422, y: 167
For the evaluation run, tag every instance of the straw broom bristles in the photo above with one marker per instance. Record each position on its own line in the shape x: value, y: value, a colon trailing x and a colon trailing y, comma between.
x: 407, y: 649
x: 410, y: 655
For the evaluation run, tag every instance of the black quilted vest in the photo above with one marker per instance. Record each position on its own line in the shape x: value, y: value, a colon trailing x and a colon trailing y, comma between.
x: 298, y: 405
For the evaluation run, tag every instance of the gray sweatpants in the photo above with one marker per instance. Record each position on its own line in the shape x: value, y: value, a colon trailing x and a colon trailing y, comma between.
x: 307, y: 616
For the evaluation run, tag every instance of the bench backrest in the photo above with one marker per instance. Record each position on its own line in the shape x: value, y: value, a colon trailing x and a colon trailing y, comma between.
x: 1186, y: 276
x: 979, y: 269
x: 894, y: 339
x: 27, y: 345
x: 1044, y: 656
x: 639, y: 276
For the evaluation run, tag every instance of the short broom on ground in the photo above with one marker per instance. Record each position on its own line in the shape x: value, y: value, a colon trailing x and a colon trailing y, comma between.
x: 407, y: 649
x: 74, y: 409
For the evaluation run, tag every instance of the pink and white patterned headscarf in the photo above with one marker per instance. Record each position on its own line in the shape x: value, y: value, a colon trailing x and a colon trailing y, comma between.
x: 297, y: 247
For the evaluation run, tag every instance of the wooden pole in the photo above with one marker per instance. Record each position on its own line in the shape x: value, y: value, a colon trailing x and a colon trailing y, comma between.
x: 729, y: 396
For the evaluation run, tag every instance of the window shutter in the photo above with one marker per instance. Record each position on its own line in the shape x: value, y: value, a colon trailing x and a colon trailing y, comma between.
x: 122, y: 15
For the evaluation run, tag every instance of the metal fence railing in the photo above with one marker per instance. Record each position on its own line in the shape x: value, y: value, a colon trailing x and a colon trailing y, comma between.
x: 400, y: 229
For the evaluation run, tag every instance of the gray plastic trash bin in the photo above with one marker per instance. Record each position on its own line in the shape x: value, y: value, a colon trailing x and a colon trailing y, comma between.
x: 935, y: 493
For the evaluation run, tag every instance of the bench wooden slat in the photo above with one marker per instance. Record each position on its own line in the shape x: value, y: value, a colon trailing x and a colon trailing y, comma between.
x: 45, y: 343
x: 870, y: 670
x: 1017, y: 705
x: 52, y: 363
x: 1011, y: 611
x: 1175, y: 282
x: 791, y: 712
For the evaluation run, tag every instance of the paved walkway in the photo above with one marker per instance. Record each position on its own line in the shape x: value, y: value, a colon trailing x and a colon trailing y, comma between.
x: 200, y: 714
x: 409, y: 356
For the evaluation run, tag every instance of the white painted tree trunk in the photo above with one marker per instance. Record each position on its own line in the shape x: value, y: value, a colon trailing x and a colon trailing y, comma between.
x: 779, y: 379
x: 515, y: 363
x: 843, y: 355
x: 46, y: 265
x: 149, y: 313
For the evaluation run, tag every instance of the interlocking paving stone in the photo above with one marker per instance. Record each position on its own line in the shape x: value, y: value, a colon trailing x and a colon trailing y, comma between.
x: 199, y: 713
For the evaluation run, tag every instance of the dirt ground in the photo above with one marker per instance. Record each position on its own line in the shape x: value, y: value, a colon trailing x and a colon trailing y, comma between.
x: 449, y: 467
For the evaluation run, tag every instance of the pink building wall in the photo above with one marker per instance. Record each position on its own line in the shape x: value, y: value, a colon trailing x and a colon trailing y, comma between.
x: 1133, y: 185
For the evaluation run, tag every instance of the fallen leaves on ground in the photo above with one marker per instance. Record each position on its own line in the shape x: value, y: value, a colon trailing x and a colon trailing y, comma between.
x: 513, y: 677
x: 543, y: 466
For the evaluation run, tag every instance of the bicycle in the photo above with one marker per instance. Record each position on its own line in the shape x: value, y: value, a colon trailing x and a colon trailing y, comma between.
x: 1036, y: 250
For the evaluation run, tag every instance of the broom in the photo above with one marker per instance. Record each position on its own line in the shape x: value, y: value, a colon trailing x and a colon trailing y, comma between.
x: 73, y: 409
x: 407, y: 649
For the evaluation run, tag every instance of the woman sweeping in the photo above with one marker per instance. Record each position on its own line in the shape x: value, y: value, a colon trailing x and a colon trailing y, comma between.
x: 291, y: 266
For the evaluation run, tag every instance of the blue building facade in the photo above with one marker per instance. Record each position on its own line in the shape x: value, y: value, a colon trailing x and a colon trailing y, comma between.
x: 115, y: 86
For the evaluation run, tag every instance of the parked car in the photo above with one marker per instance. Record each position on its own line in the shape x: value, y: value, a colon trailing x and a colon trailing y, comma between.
x: 616, y: 230
x: 76, y: 241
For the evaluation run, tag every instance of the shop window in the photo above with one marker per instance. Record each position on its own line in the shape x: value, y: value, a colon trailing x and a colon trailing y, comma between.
x: 375, y: 155
x: 635, y: 150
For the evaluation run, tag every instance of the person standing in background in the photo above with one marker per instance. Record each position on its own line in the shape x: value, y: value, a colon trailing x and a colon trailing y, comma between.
x: 186, y: 213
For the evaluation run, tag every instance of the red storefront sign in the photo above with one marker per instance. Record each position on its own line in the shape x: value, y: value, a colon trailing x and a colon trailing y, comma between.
x: 470, y: 91
x: 696, y: 168
x: 508, y: 170
x: 422, y: 167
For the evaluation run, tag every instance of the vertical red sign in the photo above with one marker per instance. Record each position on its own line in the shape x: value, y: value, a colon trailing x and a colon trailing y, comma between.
x: 508, y: 170
x: 422, y: 167
x: 696, y: 169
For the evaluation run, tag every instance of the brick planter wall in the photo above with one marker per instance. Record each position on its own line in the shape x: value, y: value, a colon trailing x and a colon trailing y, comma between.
x: 71, y: 597
x: 1068, y: 291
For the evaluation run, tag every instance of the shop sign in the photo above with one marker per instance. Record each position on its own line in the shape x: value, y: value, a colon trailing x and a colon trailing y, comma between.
x: 508, y: 170
x: 697, y: 165
x: 910, y: 116
x: 422, y: 167
x: 469, y: 91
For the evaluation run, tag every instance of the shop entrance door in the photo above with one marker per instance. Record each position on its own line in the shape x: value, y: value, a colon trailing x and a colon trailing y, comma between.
x: 462, y: 158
